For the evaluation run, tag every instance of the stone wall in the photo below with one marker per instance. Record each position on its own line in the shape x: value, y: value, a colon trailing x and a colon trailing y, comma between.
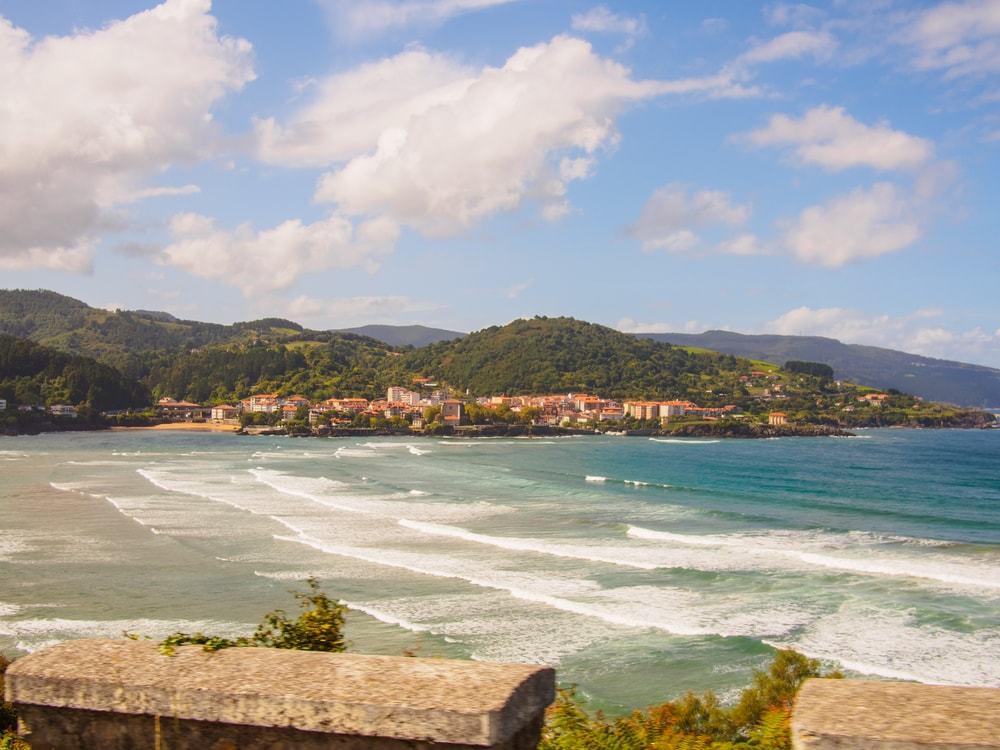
x: 872, y: 715
x: 121, y: 694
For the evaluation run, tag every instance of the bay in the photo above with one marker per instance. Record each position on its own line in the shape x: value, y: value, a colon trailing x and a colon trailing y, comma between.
x: 640, y: 568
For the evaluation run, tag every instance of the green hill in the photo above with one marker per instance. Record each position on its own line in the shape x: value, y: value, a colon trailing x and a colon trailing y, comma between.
x: 131, y: 341
x: 545, y: 355
x: 339, y: 365
x: 32, y: 374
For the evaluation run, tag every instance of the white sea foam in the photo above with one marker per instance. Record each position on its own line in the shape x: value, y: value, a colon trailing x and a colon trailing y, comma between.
x: 412, y: 449
x: 388, y: 618
x: 577, y: 552
x: 594, y: 478
x: 9, y: 610
x: 897, y: 645
x: 674, y: 611
x: 810, y: 548
x: 684, y: 441
x: 418, y: 493
x: 344, y: 452
x: 68, y: 486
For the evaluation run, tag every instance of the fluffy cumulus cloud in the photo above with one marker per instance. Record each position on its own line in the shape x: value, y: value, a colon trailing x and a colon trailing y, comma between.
x: 363, y: 18
x: 959, y: 38
x: 919, y: 332
x: 269, y: 260
x: 865, y: 223
x: 830, y: 138
x: 471, y: 146
x: 349, y: 111
x: 672, y: 215
x: 86, y: 119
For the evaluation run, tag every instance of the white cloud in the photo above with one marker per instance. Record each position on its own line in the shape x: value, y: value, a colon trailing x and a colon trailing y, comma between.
x: 510, y: 134
x: 792, y: 45
x: 831, y: 138
x: 670, y: 216
x: 958, y: 38
x: 629, y: 325
x: 601, y: 20
x: 919, y: 332
x: 864, y: 223
x: 743, y: 244
x: 362, y: 18
x: 86, y: 118
x: 793, y: 14
x: 164, y: 191
x: 350, y: 110
x: 273, y: 259
x: 344, y: 312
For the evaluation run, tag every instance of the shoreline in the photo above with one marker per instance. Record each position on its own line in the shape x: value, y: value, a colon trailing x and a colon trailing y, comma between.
x: 181, y: 427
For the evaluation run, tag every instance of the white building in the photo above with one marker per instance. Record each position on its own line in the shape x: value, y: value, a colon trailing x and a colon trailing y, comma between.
x: 397, y: 394
x: 3, y: 404
x: 62, y: 410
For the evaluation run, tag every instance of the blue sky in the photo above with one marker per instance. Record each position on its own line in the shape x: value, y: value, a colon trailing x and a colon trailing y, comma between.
x: 812, y: 169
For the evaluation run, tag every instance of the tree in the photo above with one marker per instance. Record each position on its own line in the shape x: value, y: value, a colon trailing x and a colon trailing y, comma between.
x: 319, y: 627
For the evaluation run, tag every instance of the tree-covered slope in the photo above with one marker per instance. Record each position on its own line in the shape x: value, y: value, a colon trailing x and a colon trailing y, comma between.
x: 134, y: 341
x: 933, y: 379
x: 339, y: 365
x: 32, y: 374
x: 562, y: 354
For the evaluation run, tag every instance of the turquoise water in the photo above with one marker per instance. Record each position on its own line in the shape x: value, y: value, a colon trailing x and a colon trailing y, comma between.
x: 640, y: 568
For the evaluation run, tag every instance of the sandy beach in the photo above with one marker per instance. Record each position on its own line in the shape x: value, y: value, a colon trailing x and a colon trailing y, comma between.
x: 186, y: 426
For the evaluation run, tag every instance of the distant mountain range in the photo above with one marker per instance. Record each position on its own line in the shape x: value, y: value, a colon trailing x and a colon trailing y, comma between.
x: 135, y: 341
x: 415, y: 336
x: 933, y: 379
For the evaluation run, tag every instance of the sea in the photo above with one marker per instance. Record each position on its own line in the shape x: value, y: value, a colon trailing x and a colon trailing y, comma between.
x: 640, y: 568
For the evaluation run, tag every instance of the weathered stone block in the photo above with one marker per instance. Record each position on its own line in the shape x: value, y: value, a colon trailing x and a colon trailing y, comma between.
x: 124, y: 694
x: 872, y: 715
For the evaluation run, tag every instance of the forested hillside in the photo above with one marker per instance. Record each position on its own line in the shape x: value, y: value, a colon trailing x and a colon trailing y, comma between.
x: 32, y: 374
x: 343, y: 365
x: 127, y: 340
x: 562, y: 354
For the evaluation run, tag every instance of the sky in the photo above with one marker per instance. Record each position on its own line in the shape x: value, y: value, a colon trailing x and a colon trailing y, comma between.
x: 828, y: 169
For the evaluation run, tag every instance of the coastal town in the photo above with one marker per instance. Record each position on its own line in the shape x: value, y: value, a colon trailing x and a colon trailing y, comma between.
x: 428, y: 406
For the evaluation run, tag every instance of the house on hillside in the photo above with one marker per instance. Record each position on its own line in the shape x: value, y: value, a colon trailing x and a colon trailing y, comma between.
x: 62, y: 410
x: 776, y: 418
x: 3, y: 404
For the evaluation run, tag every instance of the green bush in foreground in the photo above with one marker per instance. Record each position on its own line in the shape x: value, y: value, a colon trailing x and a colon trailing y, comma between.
x: 760, y: 720
x: 319, y: 627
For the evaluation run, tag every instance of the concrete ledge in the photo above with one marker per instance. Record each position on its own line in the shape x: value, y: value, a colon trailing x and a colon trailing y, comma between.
x: 415, y: 702
x: 870, y: 715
